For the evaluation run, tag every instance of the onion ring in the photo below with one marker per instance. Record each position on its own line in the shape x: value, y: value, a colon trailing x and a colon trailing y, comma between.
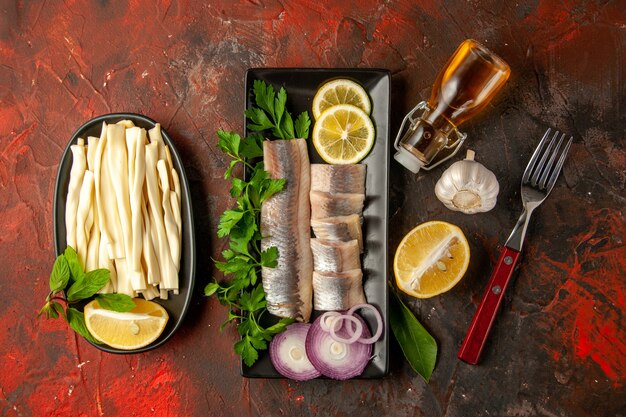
x: 356, y: 332
x: 326, y: 326
x: 379, y: 324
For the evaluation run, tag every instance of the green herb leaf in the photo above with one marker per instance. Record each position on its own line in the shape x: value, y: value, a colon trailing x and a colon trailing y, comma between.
x: 418, y: 346
x: 58, y: 308
x: 264, y: 95
x: 211, y: 288
x: 228, y: 220
x: 116, y: 302
x: 285, y: 127
x: 259, y: 119
x: 229, y: 172
x: 269, y: 257
x: 269, y: 187
x: 252, y: 146
x: 229, y: 143
x: 60, y: 275
x: 254, y: 300
x: 247, y: 352
x: 302, y: 125
x: 280, y: 326
x: 76, y: 319
x: 237, y: 188
x: 279, y: 106
x: 91, y: 283
x: 270, y: 113
x: 76, y: 268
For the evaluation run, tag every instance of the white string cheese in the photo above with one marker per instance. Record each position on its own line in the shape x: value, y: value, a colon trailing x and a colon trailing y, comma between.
x: 169, y: 273
x: 84, y: 205
x: 110, y: 223
x: 136, y: 144
x: 153, y: 272
x: 79, y: 164
x: 168, y: 217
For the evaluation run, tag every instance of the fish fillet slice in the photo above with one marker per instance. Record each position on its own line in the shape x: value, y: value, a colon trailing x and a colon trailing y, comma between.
x: 337, y: 290
x: 339, y: 204
x: 285, y: 220
x: 334, y: 255
x: 338, y: 178
x: 344, y: 228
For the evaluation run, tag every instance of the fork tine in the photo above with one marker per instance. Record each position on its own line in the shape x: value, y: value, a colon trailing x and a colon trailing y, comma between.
x: 559, y: 165
x: 546, y: 172
x: 533, y: 159
x: 542, y: 162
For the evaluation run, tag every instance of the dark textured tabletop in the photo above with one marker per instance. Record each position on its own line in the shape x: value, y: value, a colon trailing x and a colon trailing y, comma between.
x: 558, y: 348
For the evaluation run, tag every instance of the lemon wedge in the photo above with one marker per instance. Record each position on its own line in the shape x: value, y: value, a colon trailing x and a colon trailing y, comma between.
x: 130, y: 330
x: 341, y: 91
x: 343, y: 134
x: 431, y: 259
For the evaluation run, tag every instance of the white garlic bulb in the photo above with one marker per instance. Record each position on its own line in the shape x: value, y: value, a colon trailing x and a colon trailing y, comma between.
x: 468, y: 186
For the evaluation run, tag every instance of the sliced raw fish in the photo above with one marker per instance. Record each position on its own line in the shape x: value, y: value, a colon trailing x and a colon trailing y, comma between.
x: 337, y: 290
x: 338, y: 178
x: 339, y: 204
x: 285, y: 220
x: 335, y: 255
x: 344, y: 228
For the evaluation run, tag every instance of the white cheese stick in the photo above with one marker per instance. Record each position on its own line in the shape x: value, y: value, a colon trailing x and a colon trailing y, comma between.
x: 123, y: 282
x: 168, y: 217
x: 175, y: 203
x: 176, y: 184
x: 156, y: 137
x: 153, y: 272
x: 163, y: 294
x: 117, y: 160
x: 150, y: 293
x: 93, y: 247
x: 136, y: 145
x: 110, y: 227
x: 169, y: 273
x: 79, y: 165
x: 126, y: 123
x: 84, y: 205
x: 106, y: 263
x: 92, y: 147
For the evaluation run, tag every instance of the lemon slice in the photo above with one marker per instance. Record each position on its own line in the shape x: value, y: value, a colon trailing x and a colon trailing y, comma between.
x: 341, y: 91
x: 131, y: 330
x: 431, y: 259
x: 343, y: 134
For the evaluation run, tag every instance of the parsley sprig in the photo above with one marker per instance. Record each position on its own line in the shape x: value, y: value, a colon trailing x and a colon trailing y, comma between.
x: 271, y: 114
x: 71, y: 285
x: 242, y: 292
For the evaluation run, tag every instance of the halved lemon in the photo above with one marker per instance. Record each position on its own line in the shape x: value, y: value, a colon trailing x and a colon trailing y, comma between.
x: 343, y: 134
x: 130, y: 330
x: 431, y: 259
x: 341, y: 91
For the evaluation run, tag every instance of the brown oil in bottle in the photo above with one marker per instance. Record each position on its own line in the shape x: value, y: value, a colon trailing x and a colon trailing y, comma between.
x: 463, y: 88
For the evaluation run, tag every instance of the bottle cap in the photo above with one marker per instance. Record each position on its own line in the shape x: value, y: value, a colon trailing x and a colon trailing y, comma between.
x: 408, y: 160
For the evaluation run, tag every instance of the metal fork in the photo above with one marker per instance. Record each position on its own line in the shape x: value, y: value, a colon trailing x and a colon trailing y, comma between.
x: 538, y: 180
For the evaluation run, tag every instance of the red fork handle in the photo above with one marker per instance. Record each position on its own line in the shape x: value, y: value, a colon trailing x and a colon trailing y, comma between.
x: 476, y: 337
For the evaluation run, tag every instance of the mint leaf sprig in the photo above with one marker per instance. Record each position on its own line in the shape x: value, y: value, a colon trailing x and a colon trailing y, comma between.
x: 70, y: 285
x: 242, y: 292
x: 271, y: 114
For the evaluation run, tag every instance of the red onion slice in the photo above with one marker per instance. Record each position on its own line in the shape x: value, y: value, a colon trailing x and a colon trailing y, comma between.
x: 288, y: 353
x: 335, y: 359
x: 327, y: 319
x: 379, y: 324
x: 337, y: 324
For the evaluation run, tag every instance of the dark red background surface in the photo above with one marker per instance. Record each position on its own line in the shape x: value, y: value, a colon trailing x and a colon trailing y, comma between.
x: 558, y: 348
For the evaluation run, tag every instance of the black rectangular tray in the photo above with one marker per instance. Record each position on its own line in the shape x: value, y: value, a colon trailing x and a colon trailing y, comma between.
x: 301, y: 85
